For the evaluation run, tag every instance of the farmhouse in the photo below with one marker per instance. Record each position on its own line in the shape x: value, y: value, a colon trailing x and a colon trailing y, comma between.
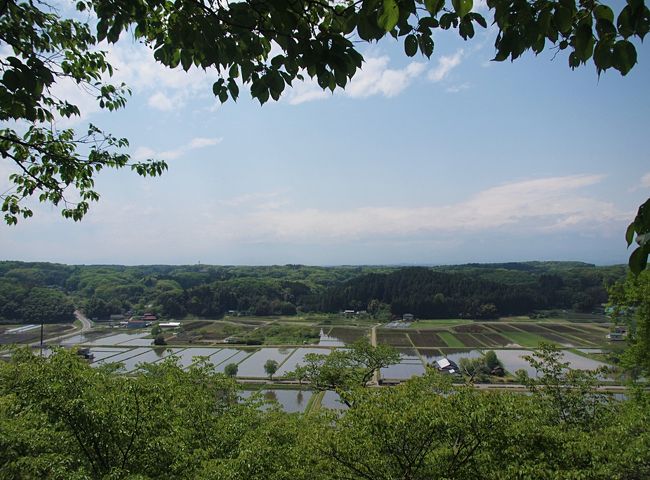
x: 444, y: 365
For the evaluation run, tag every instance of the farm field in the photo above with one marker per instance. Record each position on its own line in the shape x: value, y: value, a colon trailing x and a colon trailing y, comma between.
x: 19, y: 334
x: 527, y: 334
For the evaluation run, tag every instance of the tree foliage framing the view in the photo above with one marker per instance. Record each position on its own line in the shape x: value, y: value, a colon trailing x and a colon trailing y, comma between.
x: 60, y: 418
x: 315, y: 38
x: 43, y: 50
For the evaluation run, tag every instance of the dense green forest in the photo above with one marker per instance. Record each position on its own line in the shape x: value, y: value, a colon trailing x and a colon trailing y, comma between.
x: 32, y: 292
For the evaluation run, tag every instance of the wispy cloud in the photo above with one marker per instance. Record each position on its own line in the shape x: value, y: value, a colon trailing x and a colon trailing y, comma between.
x: 546, y: 204
x: 165, y: 102
x: 458, y: 88
x: 142, y: 153
x: 645, y: 180
x: 445, y: 65
x: 259, y: 200
x: 259, y: 225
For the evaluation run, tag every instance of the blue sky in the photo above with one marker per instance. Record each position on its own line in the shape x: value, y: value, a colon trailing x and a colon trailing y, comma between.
x: 450, y: 160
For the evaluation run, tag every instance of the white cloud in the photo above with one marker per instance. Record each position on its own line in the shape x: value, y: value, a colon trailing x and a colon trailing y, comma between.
x: 142, y: 153
x: 445, y: 65
x: 540, y: 205
x: 201, y: 142
x: 645, y: 180
x: 305, y: 91
x: 162, y: 102
x: 457, y: 88
x: 374, y: 78
x: 167, y: 89
x: 257, y: 200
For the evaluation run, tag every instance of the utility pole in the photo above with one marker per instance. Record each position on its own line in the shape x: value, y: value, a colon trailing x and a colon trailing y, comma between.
x: 41, y: 338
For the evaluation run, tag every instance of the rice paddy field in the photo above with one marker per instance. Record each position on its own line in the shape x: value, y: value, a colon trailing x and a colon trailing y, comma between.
x: 419, y: 344
x: 498, y: 335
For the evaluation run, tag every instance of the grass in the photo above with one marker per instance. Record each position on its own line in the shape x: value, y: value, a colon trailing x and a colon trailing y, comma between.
x: 314, y: 404
x: 451, y: 340
x: 285, y: 334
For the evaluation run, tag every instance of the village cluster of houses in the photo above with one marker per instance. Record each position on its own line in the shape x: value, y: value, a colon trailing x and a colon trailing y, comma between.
x: 134, y: 321
x: 143, y: 321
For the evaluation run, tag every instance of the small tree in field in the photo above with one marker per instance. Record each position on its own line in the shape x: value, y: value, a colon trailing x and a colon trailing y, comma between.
x: 231, y: 370
x: 270, y: 367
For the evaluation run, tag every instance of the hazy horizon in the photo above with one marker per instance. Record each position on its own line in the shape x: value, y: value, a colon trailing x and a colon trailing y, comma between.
x: 315, y: 265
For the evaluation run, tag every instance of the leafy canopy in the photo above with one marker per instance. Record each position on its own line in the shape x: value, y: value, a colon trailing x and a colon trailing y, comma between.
x: 46, y: 50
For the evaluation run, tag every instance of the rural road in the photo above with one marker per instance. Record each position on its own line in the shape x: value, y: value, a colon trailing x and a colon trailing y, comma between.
x: 86, y: 325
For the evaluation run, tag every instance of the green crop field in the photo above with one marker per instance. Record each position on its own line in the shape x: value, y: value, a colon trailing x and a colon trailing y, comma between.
x: 451, y: 340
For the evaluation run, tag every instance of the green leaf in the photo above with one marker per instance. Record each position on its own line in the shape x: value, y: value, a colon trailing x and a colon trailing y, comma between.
x: 639, y: 259
x: 623, y: 56
x: 478, y: 18
x: 563, y: 19
x: 410, y: 45
x: 605, y: 29
x: 11, y: 80
x: 584, y: 43
x: 426, y: 45
x: 233, y: 89
x: 462, y: 7
x: 602, y: 56
x: 624, y: 22
x: 603, y: 12
x: 186, y: 60
x: 389, y: 16
x: 434, y: 6
x: 629, y: 234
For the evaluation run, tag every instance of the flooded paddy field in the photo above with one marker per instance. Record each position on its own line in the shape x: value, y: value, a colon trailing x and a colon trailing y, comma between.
x: 291, y: 401
x: 298, y: 358
x: 332, y: 401
x: 253, y: 366
x: 418, y: 347
x: 410, y: 364
x: 513, y: 360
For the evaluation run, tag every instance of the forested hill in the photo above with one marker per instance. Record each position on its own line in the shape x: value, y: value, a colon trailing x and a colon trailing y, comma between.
x: 31, y: 291
x: 478, y: 291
